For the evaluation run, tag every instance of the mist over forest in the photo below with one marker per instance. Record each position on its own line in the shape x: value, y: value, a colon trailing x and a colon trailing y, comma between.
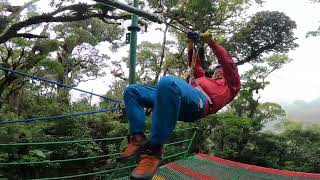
x: 308, y: 112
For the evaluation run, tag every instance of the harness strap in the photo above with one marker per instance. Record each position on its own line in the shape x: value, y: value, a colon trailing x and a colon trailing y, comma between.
x: 205, y: 94
x: 191, y: 75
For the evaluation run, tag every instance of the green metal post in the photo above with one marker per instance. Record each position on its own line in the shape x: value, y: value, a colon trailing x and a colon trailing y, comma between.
x: 133, y: 45
x: 191, y: 141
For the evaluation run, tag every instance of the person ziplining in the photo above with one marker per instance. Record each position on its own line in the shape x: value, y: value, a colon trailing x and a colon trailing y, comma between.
x: 174, y: 99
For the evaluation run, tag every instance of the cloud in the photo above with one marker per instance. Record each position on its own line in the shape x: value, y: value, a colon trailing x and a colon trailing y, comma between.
x: 300, y: 78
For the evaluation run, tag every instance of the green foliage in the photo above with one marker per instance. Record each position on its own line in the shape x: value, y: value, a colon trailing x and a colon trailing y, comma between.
x: 228, y: 136
x: 86, y: 127
x: 267, y: 150
x: 276, y: 61
x: 254, y: 80
x: 47, y: 46
x: 91, y: 31
x: 176, y: 64
x: 148, y: 60
x: 115, y: 91
x: 266, y: 32
x: 204, y: 14
x: 224, y: 133
x: 268, y: 111
x: 70, y: 56
x: 149, y: 64
x: 301, y: 147
x: 72, y: 44
x: 314, y: 33
x: 3, y: 23
x: 50, y: 66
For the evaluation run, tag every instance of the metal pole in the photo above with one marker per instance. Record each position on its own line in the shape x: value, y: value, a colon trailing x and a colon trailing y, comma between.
x: 132, y: 9
x: 133, y: 45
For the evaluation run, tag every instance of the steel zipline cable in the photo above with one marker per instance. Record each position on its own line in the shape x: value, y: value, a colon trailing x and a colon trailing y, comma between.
x: 155, y: 17
x: 175, y: 27
x: 59, y: 117
x: 56, y: 83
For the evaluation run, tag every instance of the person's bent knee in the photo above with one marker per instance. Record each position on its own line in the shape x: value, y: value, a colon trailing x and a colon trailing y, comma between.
x: 168, y: 83
x: 131, y: 90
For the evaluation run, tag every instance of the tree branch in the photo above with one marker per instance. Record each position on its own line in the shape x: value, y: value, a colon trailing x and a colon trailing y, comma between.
x: 24, y: 7
x: 15, y: 65
x: 79, y: 15
x: 29, y: 35
x: 9, y: 54
x: 255, y: 54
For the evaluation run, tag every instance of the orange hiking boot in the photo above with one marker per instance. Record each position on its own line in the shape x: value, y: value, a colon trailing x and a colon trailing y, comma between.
x: 148, y: 163
x: 135, y: 147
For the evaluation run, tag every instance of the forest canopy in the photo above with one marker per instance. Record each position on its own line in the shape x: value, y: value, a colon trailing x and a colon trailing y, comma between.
x: 60, y: 42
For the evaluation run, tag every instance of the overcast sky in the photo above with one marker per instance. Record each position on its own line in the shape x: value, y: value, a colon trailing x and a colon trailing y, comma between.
x: 298, y: 80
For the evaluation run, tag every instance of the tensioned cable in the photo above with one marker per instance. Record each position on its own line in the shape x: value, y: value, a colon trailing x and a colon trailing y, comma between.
x: 59, y: 117
x: 56, y: 83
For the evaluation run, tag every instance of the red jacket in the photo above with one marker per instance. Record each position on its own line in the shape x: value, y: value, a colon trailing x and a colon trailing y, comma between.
x: 220, y: 91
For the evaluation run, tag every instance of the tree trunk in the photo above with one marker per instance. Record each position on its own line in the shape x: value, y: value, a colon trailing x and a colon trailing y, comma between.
x: 4, y: 83
x: 63, y: 93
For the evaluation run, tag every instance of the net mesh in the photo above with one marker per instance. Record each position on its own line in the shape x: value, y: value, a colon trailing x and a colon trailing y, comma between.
x: 211, y: 168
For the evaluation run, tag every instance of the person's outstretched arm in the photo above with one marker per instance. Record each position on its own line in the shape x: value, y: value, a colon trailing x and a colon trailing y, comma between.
x: 230, y: 70
x: 198, y: 71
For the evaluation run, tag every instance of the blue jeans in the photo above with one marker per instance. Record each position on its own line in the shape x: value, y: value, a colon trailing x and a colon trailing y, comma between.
x: 172, y: 99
